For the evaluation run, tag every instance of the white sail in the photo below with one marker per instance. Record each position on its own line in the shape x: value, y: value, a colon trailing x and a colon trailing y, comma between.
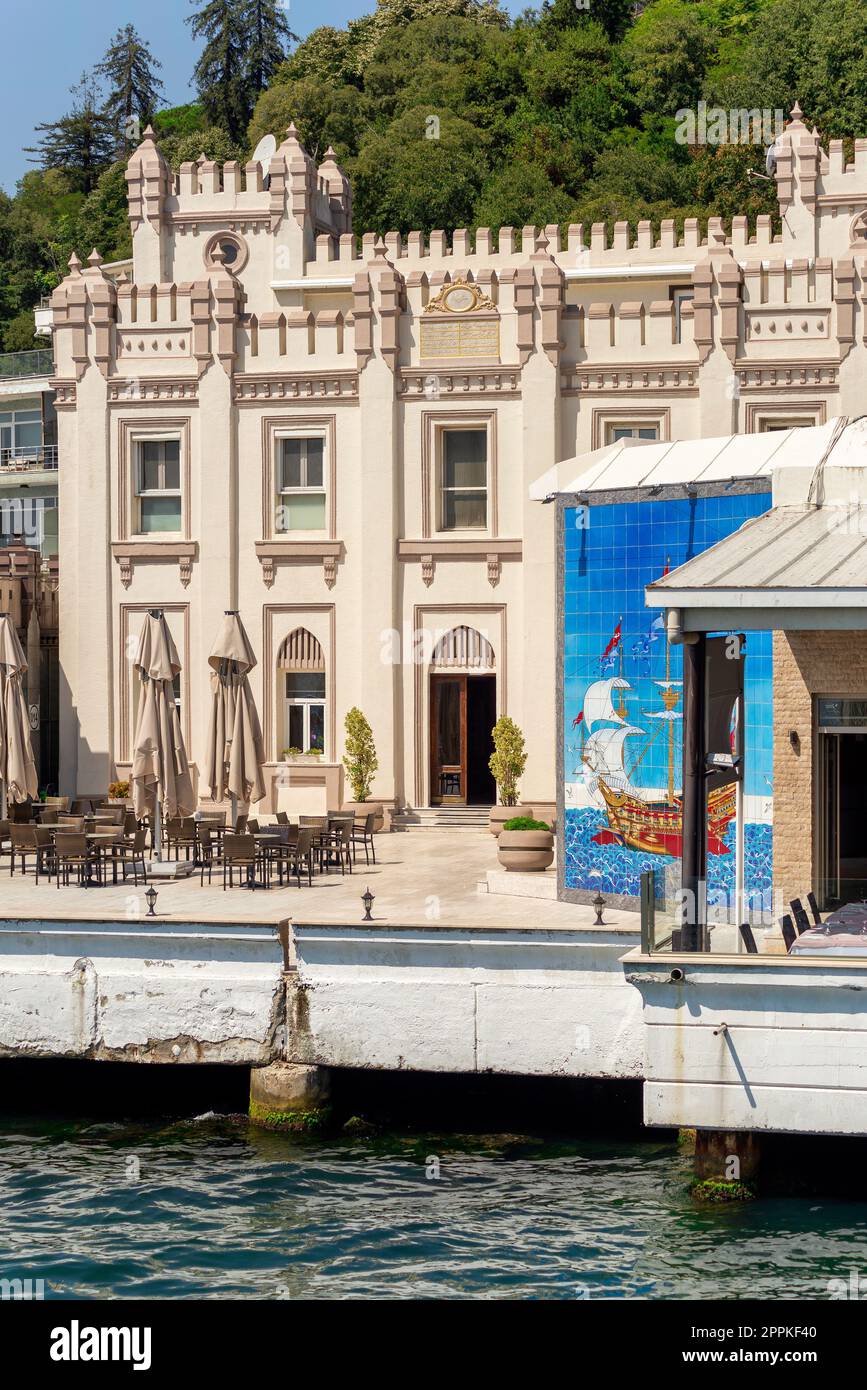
x: 598, y: 705
x: 603, y: 751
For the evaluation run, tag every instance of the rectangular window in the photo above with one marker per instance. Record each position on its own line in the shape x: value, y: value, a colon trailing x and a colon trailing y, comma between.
x: 20, y: 435
x: 680, y: 298
x: 158, y: 485
x: 305, y: 710
x: 616, y: 432
x: 301, y: 485
x: 464, y: 480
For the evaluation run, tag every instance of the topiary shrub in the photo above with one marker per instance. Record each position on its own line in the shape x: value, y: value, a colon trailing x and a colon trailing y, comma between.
x: 360, y: 758
x: 508, y: 760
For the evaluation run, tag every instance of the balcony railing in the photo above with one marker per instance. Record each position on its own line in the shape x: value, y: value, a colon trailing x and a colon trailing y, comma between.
x: 35, y: 362
x: 29, y: 458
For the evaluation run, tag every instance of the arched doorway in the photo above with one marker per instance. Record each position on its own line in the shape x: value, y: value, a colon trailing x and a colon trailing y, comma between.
x: 463, y: 711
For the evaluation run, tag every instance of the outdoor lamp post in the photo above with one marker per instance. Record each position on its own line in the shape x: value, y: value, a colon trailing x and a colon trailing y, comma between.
x: 599, y: 905
x: 367, y: 899
x: 150, y: 899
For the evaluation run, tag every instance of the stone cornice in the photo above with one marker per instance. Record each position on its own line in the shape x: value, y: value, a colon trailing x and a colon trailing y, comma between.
x: 136, y: 550
x: 252, y: 388
x: 644, y: 377
x: 436, y: 382
x: 279, y: 550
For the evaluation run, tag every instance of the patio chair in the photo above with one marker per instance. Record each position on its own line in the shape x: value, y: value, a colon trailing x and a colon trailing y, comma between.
x: 20, y: 812
x: 67, y: 821
x: 253, y: 826
x: 130, y: 824
x: 23, y: 839
x: 209, y: 853
x: 81, y: 806
x: 57, y: 803
x: 339, y: 841
x: 212, y: 817
x: 362, y: 834
x: 186, y: 838
x: 48, y: 816
x: 115, y: 814
x: 282, y: 818
x: 241, y: 825
x: 748, y: 939
x: 125, y: 854
x: 72, y: 851
x: 299, y: 858
x: 789, y: 934
x: 799, y: 913
x: 5, y: 838
x: 239, y: 852
x: 814, y: 908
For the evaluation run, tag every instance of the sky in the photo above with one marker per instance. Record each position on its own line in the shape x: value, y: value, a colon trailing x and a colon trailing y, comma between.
x: 50, y: 43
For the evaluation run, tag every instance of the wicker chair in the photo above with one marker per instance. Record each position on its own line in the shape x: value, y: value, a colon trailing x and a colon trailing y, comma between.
x: 72, y: 851
x: 363, y: 835
x: 799, y: 913
x: 748, y: 939
x: 790, y: 936
x: 125, y: 854
x: 239, y: 852
x: 209, y: 852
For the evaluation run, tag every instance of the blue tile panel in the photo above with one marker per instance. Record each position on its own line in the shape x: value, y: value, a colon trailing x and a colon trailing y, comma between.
x: 610, y: 553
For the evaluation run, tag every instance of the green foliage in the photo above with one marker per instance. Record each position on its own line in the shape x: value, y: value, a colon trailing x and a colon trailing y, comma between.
x: 80, y: 143
x: 359, y: 758
x: 129, y: 69
x: 525, y: 823
x: 324, y: 115
x: 179, y: 120
x: 508, y: 760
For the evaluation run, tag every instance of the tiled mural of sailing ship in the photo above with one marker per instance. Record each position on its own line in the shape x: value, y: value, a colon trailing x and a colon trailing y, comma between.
x: 623, y: 697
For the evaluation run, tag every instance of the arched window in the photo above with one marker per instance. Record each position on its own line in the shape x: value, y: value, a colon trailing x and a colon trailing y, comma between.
x: 301, y: 671
x: 463, y: 649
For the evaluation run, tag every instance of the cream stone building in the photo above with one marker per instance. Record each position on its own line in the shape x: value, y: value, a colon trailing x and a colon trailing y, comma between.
x: 336, y: 435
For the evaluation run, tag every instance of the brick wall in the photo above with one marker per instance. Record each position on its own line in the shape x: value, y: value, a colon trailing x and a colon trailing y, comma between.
x: 806, y: 664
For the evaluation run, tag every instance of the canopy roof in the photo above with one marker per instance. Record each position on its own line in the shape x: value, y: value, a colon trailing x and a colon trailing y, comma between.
x: 633, y: 463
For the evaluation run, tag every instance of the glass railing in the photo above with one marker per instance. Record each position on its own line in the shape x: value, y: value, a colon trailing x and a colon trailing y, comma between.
x: 829, y: 919
x: 35, y: 362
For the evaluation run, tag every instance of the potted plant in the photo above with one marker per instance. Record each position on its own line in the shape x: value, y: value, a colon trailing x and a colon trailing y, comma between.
x: 299, y: 755
x: 525, y: 844
x: 507, y: 763
x: 361, y: 762
x: 118, y: 791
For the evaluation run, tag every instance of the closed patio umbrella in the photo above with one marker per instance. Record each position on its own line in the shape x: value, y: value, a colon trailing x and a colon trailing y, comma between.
x: 17, y: 768
x: 160, y: 775
x: 235, y: 751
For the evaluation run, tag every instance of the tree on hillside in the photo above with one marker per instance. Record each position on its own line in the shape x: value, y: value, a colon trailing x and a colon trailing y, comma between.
x: 268, y: 36
x: 614, y: 16
x: 81, y: 142
x: 129, y: 71
x: 221, y: 72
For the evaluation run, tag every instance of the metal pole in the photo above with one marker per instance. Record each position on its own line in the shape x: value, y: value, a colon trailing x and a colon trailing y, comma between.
x: 694, y: 824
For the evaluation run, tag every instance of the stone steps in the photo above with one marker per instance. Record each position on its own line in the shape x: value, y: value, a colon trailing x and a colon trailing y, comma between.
x: 441, y: 818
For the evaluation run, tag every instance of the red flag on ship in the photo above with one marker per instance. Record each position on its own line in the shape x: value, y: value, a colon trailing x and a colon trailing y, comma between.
x: 615, y: 640
x: 667, y: 566
x: 577, y: 720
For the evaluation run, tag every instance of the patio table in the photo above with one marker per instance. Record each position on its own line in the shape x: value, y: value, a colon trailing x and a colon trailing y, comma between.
x: 843, y: 933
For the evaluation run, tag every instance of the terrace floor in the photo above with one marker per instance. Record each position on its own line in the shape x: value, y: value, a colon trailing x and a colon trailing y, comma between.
x: 428, y: 879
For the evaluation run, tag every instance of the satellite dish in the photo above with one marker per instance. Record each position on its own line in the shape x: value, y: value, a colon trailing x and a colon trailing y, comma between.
x: 263, y: 153
x: 771, y: 159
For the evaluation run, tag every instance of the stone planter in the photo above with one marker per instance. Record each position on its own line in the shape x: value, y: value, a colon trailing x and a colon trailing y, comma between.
x: 504, y: 813
x: 364, y: 808
x: 526, y: 850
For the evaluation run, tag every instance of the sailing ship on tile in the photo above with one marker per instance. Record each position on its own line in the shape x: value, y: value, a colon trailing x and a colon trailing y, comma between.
x: 635, y: 817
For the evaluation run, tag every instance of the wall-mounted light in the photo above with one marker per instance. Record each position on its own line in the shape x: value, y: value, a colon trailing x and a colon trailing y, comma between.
x: 795, y: 740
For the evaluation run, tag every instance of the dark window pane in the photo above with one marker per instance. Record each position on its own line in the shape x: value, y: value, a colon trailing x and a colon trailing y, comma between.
x: 296, y: 726
x: 317, y: 726
x: 448, y: 723
x: 464, y: 511
x: 291, y: 463
x: 465, y: 457
x: 314, y: 462
x: 305, y: 684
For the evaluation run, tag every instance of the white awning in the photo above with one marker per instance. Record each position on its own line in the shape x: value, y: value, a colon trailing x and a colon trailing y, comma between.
x: 634, y: 463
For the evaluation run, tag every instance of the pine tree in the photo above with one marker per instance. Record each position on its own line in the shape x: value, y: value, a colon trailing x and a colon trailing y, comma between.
x: 81, y: 142
x: 268, y: 35
x: 129, y: 70
x: 221, y: 72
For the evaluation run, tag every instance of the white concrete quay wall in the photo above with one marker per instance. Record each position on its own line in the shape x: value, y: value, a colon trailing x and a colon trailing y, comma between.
x: 179, y: 992
x: 791, y: 1058
x: 513, y: 1000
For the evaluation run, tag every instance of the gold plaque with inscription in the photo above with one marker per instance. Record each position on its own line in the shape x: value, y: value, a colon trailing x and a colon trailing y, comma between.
x: 464, y: 337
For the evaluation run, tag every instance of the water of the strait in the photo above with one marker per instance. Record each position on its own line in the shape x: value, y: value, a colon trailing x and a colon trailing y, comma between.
x: 209, y: 1207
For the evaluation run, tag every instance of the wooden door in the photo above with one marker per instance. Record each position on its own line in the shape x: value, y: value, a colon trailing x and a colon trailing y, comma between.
x: 448, y: 740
